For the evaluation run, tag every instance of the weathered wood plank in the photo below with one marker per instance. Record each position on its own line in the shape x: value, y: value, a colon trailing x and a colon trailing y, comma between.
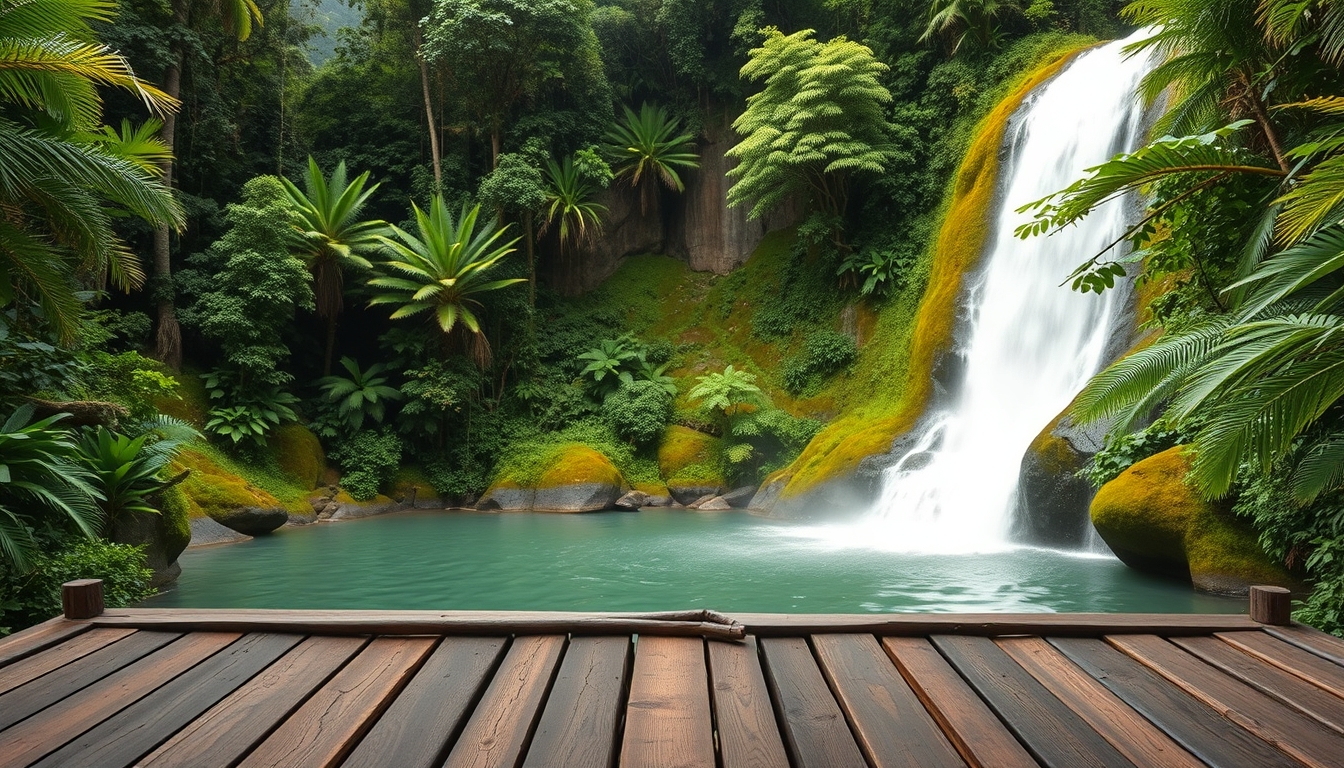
x: 1056, y: 735
x: 428, y: 714
x: 578, y: 726
x: 1290, y: 731
x: 891, y: 725
x: 65, y: 681
x: 497, y: 623
x: 502, y: 722
x: 230, y: 729
x: 814, y: 728
x: 979, y: 736
x: 748, y: 733
x: 1318, y: 704
x: 1311, y: 639
x: 1188, y: 721
x: 1136, y: 738
x: 1320, y: 672
x: 67, y: 719
x: 53, y: 658
x: 667, y: 720
x: 131, y: 733
x: 336, y: 716
x: 35, y: 638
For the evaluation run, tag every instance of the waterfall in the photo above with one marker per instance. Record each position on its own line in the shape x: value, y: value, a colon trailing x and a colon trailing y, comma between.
x: 1029, y: 345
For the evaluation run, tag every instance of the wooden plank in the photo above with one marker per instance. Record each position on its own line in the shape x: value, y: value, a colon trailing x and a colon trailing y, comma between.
x: 57, y: 656
x: 891, y: 725
x: 814, y: 728
x: 498, y: 623
x: 1128, y: 731
x: 502, y: 723
x: 65, y: 681
x: 1288, y: 688
x: 232, y: 727
x: 1289, y: 730
x: 1189, y: 722
x: 428, y: 714
x: 748, y: 733
x: 66, y: 720
x: 578, y: 727
x: 667, y: 717
x: 35, y: 638
x: 1320, y: 672
x: 136, y: 730
x: 1056, y: 735
x: 1311, y: 639
x: 336, y: 716
x: 981, y: 739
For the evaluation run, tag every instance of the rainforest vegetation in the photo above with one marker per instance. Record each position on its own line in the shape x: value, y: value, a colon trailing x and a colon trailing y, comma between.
x: 253, y: 248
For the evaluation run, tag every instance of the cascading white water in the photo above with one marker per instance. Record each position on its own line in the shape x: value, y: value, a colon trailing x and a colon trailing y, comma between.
x: 1031, y: 344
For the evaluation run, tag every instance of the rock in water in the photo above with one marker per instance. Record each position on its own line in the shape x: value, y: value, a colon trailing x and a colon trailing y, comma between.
x: 1053, y: 500
x: 740, y: 498
x: 714, y: 504
x: 575, y: 479
x: 633, y: 500
x: 253, y: 521
x: 1155, y: 522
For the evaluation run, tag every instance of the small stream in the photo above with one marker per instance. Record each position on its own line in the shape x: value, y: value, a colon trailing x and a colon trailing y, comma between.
x: 651, y: 560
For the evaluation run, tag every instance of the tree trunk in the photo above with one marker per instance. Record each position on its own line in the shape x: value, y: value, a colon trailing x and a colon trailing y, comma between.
x: 429, y: 111
x: 1262, y: 120
x: 494, y: 143
x: 531, y: 260
x: 168, y: 339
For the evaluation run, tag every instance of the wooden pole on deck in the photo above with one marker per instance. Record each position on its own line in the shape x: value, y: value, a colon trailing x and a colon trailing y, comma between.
x: 82, y: 598
x: 1272, y: 605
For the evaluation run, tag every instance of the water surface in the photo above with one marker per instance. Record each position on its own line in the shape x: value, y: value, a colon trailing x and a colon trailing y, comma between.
x: 651, y: 560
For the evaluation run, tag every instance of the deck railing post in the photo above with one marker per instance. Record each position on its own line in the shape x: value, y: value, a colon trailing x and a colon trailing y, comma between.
x: 82, y: 598
x: 1272, y: 605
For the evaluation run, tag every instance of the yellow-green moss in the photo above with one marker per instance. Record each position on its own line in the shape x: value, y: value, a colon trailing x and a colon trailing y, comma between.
x: 652, y: 489
x: 1150, y: 512
x: 689, y: 457
x: 580, y: 464
x: 174, y: 519
x: 1054, y: 453
x: 871, y: 424
x: 211, y: 489
x: 298, y: 453
x: 191, y: 402
x: 409, y: 477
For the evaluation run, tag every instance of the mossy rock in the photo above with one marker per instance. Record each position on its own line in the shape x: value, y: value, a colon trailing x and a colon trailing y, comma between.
x: 299, y: 454
x: 691, y: 464
x: 1155, y: 522
x: 1054, y: 499
x: 571, y: 478
x: 412, y: 487
x: 191, y: 402
x: 212, y: 491
x: 164, y: 535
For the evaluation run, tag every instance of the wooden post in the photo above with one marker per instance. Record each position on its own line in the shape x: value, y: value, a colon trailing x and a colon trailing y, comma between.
x: 83, y: 598
x: 1272, y: 605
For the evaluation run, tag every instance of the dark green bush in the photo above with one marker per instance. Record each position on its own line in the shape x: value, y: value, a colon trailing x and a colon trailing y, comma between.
x: 639, y: 411
x: 825, y: 352
x: 35, y: 596
x: 368, y: 461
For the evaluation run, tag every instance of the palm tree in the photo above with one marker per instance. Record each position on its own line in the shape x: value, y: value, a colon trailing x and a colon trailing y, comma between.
x: 647, y: 148
x: 570, y: 204
x: 959, y: 20
x: 444, y: 270
x: 331, y: 236
x: 57, y: 177
x: 237, y: 17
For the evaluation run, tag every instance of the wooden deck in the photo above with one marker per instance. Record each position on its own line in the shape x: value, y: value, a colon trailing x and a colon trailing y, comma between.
x: 405, y: 689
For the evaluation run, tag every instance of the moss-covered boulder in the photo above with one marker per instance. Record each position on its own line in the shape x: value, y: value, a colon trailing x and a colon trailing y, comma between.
x: 690, y: 463
x: 164, y: 536
x: 299, y: 454
x: 214, y: 491
x: 1155, y: 522
x: 565, y: 478
x: 1054, y: 501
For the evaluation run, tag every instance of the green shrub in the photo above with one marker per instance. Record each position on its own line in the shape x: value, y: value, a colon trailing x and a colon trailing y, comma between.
x: 1122, y: 451
x: 825, y: 352
x: 35, y: 596
x: 638, y: 411
x: 368, y: 461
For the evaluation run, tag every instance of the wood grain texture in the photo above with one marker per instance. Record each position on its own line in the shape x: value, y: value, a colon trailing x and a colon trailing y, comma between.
x: 133, y: 732
x: 979, y: 736
x: 1056, y: 735
x: 1318, y: 671
x: 35, y: 638
x: 1309, y: 638
x: 67, y: 719
x: 1320, y: 705
x: 499, y: 728
x: 578, y: 727
x: 333, y: 719
x: 1188, y: 721
x: 230, y: 729
x: 428, y: 714
x: 815, y: 729
x: 667, y: 719
x: 748, y: 733
x: 81, y: 673
x: 891, y: 725
x: 1128, y: 731
x: 57, y: 656
x: 1291, y: 731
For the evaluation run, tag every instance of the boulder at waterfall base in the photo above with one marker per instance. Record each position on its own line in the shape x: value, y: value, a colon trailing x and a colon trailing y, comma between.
x: 572, y: 478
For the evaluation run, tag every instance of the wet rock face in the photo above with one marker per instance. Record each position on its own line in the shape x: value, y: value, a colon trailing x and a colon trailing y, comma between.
x: 162, y: 544
x: 253, y: 521
x: 1052, y: 500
